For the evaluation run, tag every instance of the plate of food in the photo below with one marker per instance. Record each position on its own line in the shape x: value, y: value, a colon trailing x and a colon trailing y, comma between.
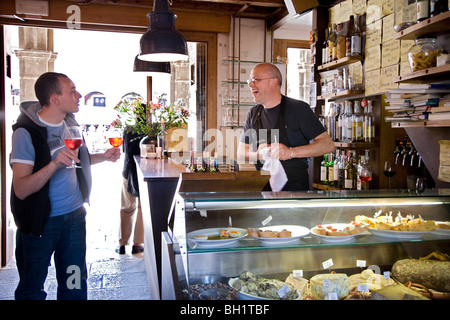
x: 278, y: 235
x: 254, y: 287
x: 338, y: 232
x: 216, y: 237
x: 442, y: 229
x: 403, y: 235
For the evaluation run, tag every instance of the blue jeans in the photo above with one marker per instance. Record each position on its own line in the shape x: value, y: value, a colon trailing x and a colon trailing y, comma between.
x: 65, y: 237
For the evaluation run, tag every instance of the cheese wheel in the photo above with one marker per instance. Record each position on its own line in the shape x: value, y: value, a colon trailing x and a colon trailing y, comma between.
x: 324, y: 284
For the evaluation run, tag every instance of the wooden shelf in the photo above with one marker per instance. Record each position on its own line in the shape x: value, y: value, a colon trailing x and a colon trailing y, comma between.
x: 339, y: 63
x: 437, y: 25
x: 341, y: 94
x: 426, y: 75
x: 421, y: 124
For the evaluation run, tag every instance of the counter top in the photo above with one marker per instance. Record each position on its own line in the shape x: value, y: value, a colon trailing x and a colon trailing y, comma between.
x: 159, y: 169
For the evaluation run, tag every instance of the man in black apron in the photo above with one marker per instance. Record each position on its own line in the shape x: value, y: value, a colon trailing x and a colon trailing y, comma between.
x: 287, y: 126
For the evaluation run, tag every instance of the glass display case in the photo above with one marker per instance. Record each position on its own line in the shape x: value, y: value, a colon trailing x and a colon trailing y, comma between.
x: 199, y: 254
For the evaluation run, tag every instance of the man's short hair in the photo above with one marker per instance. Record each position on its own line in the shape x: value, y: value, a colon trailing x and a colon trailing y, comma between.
x: 46, y: 85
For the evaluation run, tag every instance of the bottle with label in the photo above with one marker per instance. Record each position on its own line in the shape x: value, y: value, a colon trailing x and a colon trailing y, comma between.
x: 192, y: 165
x: 423, y: 10
x: 324, y: 170
x: 356, y: 39
x: 341, y: 172
x: 163, y: 139
x: 369, y: 126
x: 322, y: 117
x: 348, y: 37
x: 340, y: 45
x: 325, y: 49
x: 336, y: 122
x: 357, y: 123
x: 336, y: 169
x: 350, y: 174
x: 332, y: 42
x: 349, y: 122
x: 331, y: 122
x: 339, y: 81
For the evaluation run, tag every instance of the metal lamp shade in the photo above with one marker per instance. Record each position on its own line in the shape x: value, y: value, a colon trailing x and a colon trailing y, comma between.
x: 151, y: 67
x: 161, y: 41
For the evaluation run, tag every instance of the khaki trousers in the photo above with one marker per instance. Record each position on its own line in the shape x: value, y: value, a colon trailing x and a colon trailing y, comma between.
x: 130, y: 216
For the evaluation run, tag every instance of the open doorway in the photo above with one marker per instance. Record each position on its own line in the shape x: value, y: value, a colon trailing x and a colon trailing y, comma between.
x: 101, y: 65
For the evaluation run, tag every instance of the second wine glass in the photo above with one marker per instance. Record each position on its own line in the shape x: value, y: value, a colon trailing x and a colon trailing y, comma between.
x: 389, y: 171
x: 73, y: 139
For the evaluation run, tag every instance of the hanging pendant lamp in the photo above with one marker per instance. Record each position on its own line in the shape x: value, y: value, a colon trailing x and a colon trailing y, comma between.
x: 151, y: 67
x: 161, y: 41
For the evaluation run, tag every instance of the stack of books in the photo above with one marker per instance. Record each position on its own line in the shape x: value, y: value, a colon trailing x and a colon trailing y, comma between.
x: 411, y: 102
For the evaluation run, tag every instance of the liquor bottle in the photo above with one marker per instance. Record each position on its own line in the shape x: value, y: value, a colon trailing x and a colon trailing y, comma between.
x: 348, y: 37
x: 330, y: 122
x: 340, y: 45
x: 339, y: 81
x: 163, y: 139
x: 438, y: 6
x: 348, y: 122
x: 369, y: 127
x: 356, y: 39
x: 341, y: 174
x: 336, y: 169
x: 341, y: 121
x: 358, y: 168
x: 325, y: 49
x: 350, y: 174
x: 192, y: 164
x: 423, y: 10
x: 324, y: 170
x: 205, y: 157
x: 214, y: 165
x: 330, y: 166
x: 357, y: 123
x: 336, y: 122
x: 332, y: 42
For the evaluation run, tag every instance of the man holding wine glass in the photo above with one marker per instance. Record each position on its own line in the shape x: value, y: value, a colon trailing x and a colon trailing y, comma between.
x: 48, y: 192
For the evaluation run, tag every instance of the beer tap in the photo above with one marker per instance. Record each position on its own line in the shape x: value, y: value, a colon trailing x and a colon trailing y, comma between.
x: 420, y: 159
x: 406, y: 148
x: 412, y: 154
x: 397, y: 149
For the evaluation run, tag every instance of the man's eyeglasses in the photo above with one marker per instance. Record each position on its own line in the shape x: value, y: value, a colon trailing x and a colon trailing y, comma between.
x: 255, y: 80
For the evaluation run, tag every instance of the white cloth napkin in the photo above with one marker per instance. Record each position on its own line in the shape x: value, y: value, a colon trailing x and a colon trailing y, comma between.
x: 278, y: 177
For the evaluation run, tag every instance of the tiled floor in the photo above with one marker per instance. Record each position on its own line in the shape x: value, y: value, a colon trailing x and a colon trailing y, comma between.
x: 111, y: 276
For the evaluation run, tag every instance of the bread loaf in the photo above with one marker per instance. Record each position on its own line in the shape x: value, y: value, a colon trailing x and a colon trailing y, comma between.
x: 432, y: 274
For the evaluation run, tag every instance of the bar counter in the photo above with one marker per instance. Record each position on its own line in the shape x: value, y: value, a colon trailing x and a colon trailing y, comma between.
x: 158, y: 180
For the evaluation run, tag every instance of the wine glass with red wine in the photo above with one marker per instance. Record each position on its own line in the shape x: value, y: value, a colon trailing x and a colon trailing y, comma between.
x: 389, y: 171
x: 115, y: 138
x: 73, y: 139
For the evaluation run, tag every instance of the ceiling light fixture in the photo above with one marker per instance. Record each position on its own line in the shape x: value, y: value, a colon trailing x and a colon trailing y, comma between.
x: 161, y: 41
x: 151, y: 67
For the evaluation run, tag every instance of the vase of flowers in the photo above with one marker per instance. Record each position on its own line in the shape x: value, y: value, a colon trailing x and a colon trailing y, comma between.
x: 145, y: 118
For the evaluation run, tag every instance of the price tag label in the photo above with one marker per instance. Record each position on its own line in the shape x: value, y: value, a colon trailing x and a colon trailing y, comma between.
x: 327, y: 264
x: 361, y: 263
x: 297, y: 273
x: 363, y: 288
x: 267, y: 220
x: 386, y: 274
x: 283, y: 291
x: 326, y: 283
x: 332, y: 296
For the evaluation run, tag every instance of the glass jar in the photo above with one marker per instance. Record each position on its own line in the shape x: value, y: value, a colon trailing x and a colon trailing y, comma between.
x: 405, y: 14
x: 423, y: 54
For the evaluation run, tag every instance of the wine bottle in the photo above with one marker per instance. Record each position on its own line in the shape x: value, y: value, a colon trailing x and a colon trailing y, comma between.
x: 330, y: 166
x: 325, y: 49
x: 348, y: 38
x: 356, y: 39
x: 423, y: 10
x: 357, y: 123
x: 192, y: 164
x: 332, y: 42
x: 369, y: 127
x: 324, y: 170
x: 350, y: 174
